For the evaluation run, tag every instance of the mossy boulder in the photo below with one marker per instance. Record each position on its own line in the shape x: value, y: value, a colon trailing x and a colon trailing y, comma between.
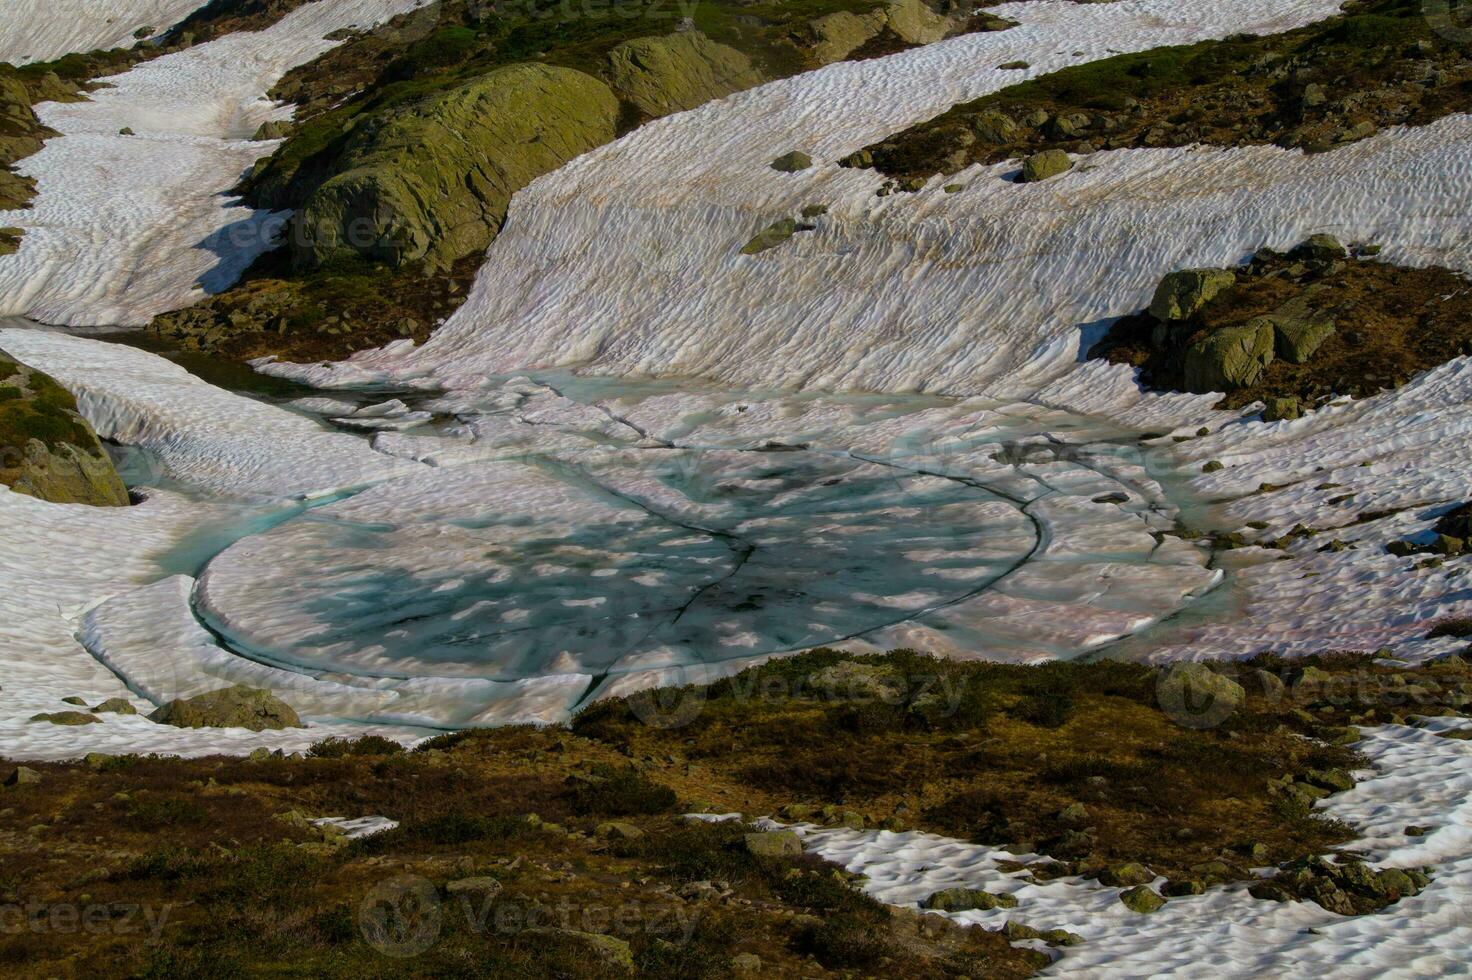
x: 1279, y: 409
x: 661, y: 75
x: 1142, y: 899
x: 47, y: 450
x: 1041, y: 166
x: 773, y: 843
x: 431, y: 181
x: 1181, y: 295
x: 1195, y: 696
x: 1230, y: 357
x: 232, y: 707
x: 792, y: 162
x: 967, y: 899
x: 835, y: 36
x: 69, y: 718
x: 771, y: 236
x: 1299, y: 332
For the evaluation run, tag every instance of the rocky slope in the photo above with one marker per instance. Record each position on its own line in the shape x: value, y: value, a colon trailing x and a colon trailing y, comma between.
x: 47, y: 449
x: 458, y: 77
x: 1380, y: 64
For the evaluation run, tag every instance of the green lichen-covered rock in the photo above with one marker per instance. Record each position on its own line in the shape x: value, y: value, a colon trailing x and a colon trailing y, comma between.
x: 233, y: 707
x: 661, y: 75
x: 771, y: 236
x: 47, y: 450
x: 21, y: 132
x: 10, y: 240
x: 1041, y: 166
x: 915, y: 22
x: 1181, y: 295
x: 792, y: 162
x: 1299, y: 332
x: 966, y: 899
x: 835, y: 36
x: 1142, y: 899
x: 72, y: 718
x: 1279, y: 409
x: 774, y: 843
x: 1231, y: 357
x: 431, y: 181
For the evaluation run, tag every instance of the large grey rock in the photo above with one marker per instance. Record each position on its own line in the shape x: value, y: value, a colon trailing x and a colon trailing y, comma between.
x: 661, y: 75
x: 232, y: 707
x: 1230, y: 357
x: 431, y: 181
x: 1181, y: 295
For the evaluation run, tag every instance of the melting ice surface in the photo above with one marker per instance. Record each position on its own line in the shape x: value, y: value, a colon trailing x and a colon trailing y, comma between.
x: 548, y: 541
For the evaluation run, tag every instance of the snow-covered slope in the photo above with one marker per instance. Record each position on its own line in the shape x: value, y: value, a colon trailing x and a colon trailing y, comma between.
x: 43, y: 30
x: 125, y: 227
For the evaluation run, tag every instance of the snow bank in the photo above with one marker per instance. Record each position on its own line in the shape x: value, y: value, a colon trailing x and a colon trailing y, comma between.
x: 126, y: 227
x: 43, y: 30
x: 1417, y: 778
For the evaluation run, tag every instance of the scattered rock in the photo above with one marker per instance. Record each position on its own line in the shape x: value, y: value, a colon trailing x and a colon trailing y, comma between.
x: 232, y: 707
x: 483, y: 885
x: 275, y: 129
x: 67, y: 718
x: 22, y: 776
x: 1280, y: 409
x: 115, y: 706
x: 1041, y: 166
x: 792, y: 162
x: 614, y: 830
x: 1123, y: 875
x: 967, y: 899
x: 1141, y: 899
x: 746, y: 963
x: 777, y: 233
x: 610, y: 952
x: 774, y: 843
x: 1193, y: 695
x: 1351, y: 888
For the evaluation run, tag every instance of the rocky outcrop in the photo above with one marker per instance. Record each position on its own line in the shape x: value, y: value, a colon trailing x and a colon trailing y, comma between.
x: 838, y: 35
x: 233, y: 707
x: 1181, y: 295
x: 47, y: 450
x: 1351, y: 888
x: 431, y: 181
x: 1232, y: 357
x: 661, y: 75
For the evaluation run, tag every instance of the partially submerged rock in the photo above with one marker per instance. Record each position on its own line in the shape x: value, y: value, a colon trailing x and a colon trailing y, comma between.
x: 232, y: 707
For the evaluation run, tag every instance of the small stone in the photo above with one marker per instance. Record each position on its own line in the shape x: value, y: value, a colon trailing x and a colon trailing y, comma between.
x: 1014, y: 65
x: 1415, y: 830
x: 1073, y: 815
x: 125, y: 131
x: 1445, y: 544
x: 815, y: 210
x: 1131, y: 873
x: 74, y: 700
